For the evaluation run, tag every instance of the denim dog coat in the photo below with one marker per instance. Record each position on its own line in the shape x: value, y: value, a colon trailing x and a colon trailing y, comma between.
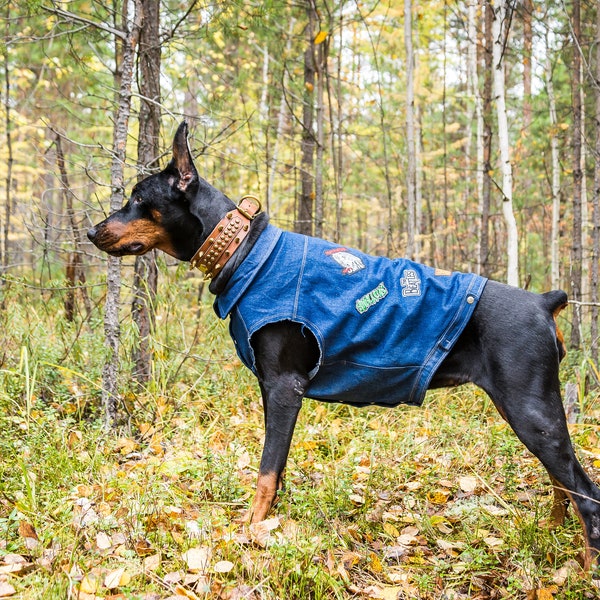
x: 383, y: 326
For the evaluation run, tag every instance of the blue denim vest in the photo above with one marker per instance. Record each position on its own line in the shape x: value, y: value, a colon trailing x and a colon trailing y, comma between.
x: 383, y: 326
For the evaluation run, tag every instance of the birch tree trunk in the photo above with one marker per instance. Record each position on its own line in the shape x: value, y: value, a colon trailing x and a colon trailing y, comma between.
x: 336, y: 130
x: 585, y: 223
x: 411, y: 168
x: 499, y: 34
x: 124, y: 77
x: 555, y: 159
x: 145, y: 280
x: 576, y: 249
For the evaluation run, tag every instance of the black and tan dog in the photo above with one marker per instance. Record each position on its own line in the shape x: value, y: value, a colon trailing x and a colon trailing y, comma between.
x: 319, y: 320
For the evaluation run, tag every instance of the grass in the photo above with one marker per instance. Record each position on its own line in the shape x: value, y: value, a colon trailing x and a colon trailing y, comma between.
x: 434, y: 502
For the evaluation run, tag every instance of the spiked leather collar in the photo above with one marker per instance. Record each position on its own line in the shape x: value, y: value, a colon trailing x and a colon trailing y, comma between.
x: 225, y: 238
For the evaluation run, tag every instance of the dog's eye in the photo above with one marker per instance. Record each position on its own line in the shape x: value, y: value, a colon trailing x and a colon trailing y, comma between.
x: 137, y: 200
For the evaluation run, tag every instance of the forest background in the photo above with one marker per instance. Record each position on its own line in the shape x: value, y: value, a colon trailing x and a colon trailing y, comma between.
x: 464, y: 134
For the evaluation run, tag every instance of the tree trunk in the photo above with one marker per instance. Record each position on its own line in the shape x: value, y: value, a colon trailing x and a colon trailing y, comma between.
x: 75, y: 271
x: 281, y: 115
x: 499, y: 34
x: 304, y: 215
x: 576, y: 249
x: 9, y: 150
x: 146, y: 273
x: 475, y: 93
x: 322, y: 52
x: 486, y: 117
x: 335, y: 120
x: 124, y: 78
x: 411, y: 159
x: 595, y: 267
x: 555, y: 158
x: 527, y: 53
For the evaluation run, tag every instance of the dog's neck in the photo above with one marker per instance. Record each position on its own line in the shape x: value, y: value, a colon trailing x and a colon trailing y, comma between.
x: 257, y: 226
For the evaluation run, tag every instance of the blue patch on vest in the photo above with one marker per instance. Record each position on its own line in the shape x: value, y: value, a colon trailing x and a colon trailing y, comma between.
x: 383, y: 326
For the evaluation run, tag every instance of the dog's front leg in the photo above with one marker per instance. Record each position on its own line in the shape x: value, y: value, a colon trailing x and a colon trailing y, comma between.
x: 284, y: 356
x: 281, y: 412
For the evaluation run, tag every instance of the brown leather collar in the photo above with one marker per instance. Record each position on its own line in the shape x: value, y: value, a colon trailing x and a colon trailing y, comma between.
x: 225, y: 238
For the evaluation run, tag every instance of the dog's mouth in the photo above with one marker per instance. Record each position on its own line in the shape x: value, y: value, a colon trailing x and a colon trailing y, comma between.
x: 133, y: 248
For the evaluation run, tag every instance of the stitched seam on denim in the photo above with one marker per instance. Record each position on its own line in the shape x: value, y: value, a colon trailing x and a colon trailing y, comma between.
x: 437, y: 353
x: 300, y: 276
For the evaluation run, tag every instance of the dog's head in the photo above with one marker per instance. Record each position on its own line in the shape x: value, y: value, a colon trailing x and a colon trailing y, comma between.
x: 172, y: 211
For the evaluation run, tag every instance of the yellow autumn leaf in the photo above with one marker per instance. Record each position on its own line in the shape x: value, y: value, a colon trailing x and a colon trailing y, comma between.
x: 321, y: 37
x: 376, y: 565
x: 438, y: 497
x: 90, y: 584
x: 116, y: 578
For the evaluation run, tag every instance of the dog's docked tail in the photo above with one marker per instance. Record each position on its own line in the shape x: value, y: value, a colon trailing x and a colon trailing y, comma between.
x: 555, y: 301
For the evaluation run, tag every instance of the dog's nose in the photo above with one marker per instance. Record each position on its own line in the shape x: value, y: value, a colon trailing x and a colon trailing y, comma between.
x: 91, y: 233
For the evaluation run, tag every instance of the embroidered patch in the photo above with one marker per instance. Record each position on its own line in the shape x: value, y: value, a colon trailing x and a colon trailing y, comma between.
x: 411, y: 284
x: 373, y: 297
x: 350, y: 264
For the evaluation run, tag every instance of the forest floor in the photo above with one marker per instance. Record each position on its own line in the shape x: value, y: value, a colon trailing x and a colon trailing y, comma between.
x: 437, y: 502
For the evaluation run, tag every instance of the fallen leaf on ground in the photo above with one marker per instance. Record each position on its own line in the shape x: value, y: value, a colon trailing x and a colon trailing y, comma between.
x: 438, y: 497
x: 197, y: 559
x: 151, y: 563
x: 569, y: 568
x: 29, y: 535
x: 103, y: 541
x: 6, y: 590
x: 468, y: 483
x: 493, y: 542
x: 261, y: 532
x: 223, y: 566
x: 90, y: 584
x: 116, y: 578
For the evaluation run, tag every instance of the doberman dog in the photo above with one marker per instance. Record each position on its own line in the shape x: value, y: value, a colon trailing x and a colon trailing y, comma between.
x: 300, y: 337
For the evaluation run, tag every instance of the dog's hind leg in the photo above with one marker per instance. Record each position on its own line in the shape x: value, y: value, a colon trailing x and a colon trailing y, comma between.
x: 510, y: 349
x: 284, y: 355
x: 545, y: 434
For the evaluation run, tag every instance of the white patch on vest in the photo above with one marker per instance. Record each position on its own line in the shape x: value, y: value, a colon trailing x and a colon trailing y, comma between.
x: 350, y: 264
x: 411, y: 284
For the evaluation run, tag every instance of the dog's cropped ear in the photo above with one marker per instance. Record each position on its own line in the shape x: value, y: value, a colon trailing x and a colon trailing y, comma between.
x: 182, y: 161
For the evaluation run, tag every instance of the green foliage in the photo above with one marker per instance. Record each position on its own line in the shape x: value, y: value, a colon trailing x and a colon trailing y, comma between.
x: 441, y: 500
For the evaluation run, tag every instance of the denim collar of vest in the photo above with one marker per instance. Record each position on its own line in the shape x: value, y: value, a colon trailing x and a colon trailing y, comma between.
x: 247, y: 271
